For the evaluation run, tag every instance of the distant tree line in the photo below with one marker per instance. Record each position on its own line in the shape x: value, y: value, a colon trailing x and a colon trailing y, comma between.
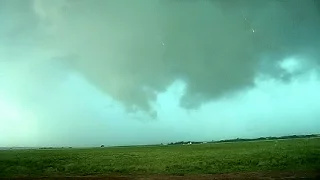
x: 245, y: 139
x: 269, y: 138
x: 184, y: 142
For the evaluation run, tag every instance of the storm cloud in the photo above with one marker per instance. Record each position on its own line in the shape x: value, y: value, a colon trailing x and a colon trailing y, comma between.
x: 132, y: 50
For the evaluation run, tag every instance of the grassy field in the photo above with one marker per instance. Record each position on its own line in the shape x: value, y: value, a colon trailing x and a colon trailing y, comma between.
x: 282, y: 155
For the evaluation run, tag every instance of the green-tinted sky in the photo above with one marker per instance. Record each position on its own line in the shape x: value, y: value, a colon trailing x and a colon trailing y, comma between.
x: 91, y: 72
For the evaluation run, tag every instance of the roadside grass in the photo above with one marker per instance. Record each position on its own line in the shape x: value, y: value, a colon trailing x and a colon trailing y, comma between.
x: 281, y: 155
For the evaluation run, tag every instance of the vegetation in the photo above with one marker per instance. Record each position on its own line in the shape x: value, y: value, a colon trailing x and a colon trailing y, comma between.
x: 272, y: 138
x: 210, y: 158
x: 253, y: 139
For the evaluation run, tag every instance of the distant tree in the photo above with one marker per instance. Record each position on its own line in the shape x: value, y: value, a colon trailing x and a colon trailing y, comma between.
x: 102, y: 146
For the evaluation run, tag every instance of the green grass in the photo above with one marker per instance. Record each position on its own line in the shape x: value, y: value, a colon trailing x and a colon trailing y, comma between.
x: 293, y: 154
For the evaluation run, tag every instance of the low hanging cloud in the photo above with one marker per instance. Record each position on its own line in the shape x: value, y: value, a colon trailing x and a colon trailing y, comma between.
x: 134, y: 50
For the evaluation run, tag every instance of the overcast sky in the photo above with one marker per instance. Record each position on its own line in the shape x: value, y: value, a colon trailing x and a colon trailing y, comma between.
x: 120, y: 72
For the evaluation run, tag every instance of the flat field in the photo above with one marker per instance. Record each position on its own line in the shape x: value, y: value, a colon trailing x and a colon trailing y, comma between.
x: 292, y: 157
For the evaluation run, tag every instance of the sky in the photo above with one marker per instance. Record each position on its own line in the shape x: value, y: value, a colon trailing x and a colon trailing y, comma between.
x: 119, y: 72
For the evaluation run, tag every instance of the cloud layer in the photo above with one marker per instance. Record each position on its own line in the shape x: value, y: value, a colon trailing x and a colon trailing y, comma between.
x: 134, y: 50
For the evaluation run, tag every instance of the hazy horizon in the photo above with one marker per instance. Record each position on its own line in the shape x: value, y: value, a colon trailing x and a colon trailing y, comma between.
x: 85, y: 73
x: 167, y: 143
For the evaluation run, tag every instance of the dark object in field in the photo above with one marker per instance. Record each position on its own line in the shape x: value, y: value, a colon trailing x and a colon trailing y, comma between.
x: 102, y: 146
